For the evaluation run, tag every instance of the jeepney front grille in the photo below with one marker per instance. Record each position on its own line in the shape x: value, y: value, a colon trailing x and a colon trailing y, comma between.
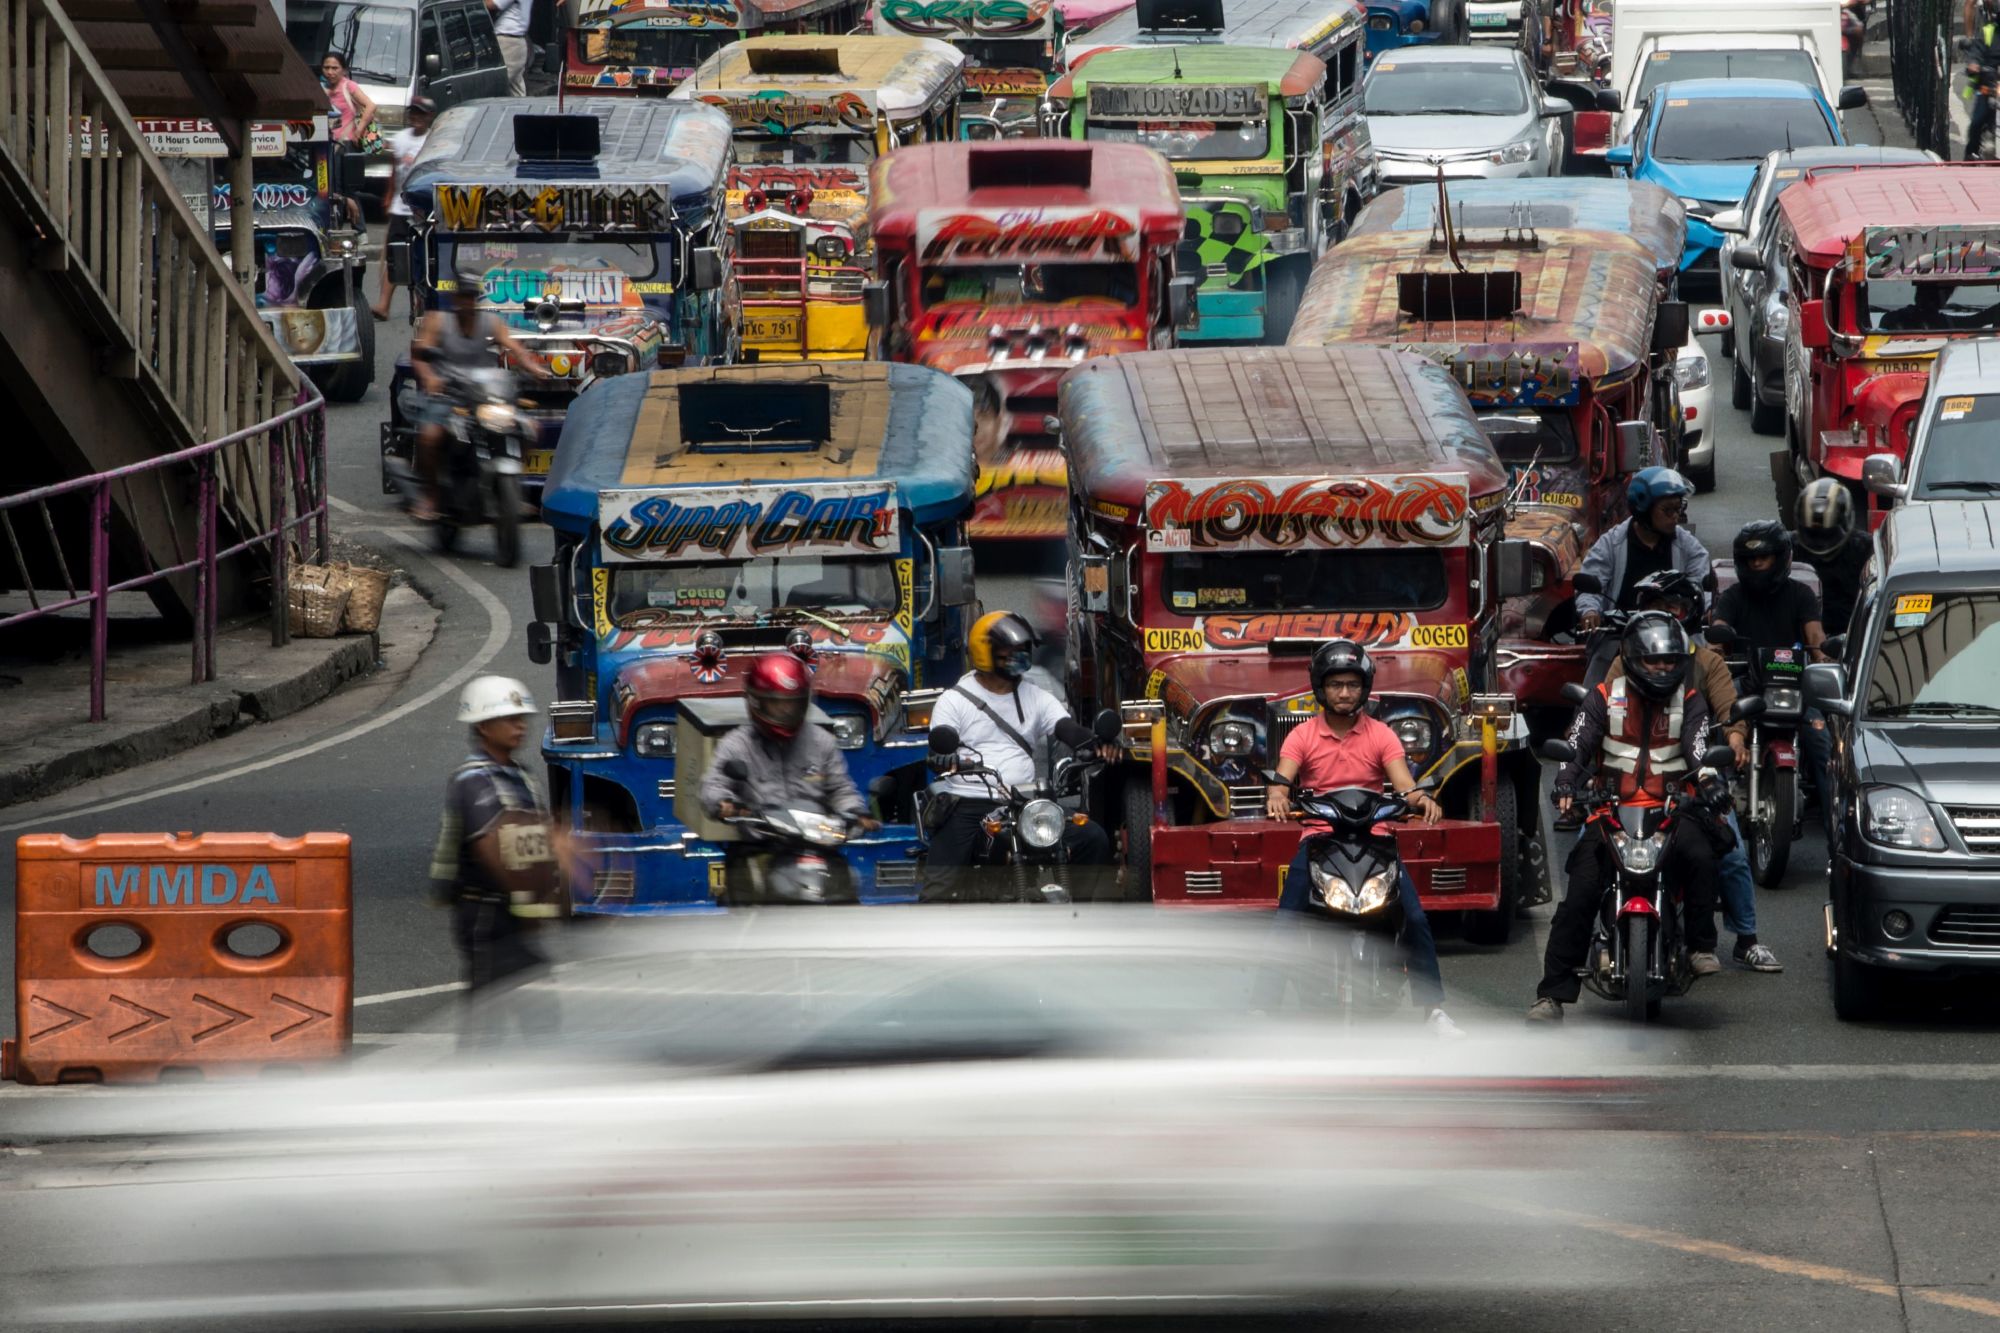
x: 1281, y: 727
x: 1448, y: 879
x: 895, y: 874
x: 1972, y: 926
x: 666, y: 789
x: 613, y: 885
x: 1979, y: 826
x: 771, y: 243
x: 1246, y: 802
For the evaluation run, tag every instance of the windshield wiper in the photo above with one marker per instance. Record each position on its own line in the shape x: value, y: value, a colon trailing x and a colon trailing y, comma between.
x: 1963, y: 484
x: 1937, y: 708
x: 833, y: 625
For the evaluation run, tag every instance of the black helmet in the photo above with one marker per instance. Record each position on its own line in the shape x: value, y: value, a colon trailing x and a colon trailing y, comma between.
x: 1337, y: 657
x: 1825, y: 517
x: 1671, y: 585
x: 1651, y: 637
x: 1766, y: 536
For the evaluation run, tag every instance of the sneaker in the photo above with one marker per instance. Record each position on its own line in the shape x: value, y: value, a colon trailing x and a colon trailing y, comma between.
x: 1545, y: 1010
x: 1441, y: 1025
x: 1758, y: 958
x: 1704, y: 964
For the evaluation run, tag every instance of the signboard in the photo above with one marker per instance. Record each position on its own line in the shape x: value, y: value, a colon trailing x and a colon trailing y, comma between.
x: 1177, y: 101
x: 547, y: 208
x: 1007, y: 82
x: 1290, y: 513
x: 315, y: 336
x: 969, y: 18
x: 656, y: 14
x: 1510, y: 374
x: 1960, y: 251
x: 1027, y: 235
x: 746, y: 523
x: 775, y: 111
x: 197, y: 138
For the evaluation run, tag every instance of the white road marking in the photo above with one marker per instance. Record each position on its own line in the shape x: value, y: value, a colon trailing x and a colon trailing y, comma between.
x: 500, y: 628
x: 391, y: 996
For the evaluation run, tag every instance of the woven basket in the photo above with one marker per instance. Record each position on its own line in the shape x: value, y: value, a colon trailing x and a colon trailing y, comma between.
x: 369, y: 588
x: 316, y: 603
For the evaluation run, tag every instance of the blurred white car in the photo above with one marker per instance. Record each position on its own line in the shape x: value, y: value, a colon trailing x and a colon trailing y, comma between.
x: 1697, y: 410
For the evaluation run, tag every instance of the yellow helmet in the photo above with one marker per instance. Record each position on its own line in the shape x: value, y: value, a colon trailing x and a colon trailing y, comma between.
x: 1002, y: 643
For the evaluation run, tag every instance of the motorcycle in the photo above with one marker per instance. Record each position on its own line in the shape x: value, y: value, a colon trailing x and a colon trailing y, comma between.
x: 1769, y: 699
x: 1355, y: 881
x: 486, y: 442
x: 1637, y: 952
x: 796, y: 857
x: 1025, y: 830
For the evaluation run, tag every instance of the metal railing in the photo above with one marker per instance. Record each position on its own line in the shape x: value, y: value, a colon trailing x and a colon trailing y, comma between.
x: 1920, y: 68
x: 291, y: 448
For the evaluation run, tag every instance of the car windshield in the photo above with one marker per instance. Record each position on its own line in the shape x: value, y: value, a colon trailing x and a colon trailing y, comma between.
x: 513, y: 271
x: 1003, y: 285
x: 761, y: 150
x: 1939, y: 656
x: 1930, y: 307
x: 377, y: 41
x: 1524, y: 437
x: 1303, y: 581
x: 678, y: 51
x: 1959, y: 461
x: 1190, y: 140
x: 1737, y: 129
x: 1444, y: 88
x: 748, y: 589
x: 1670, y: 66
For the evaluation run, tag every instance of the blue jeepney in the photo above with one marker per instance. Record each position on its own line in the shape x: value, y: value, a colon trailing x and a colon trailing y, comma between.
x: 704, y: 517
x: 597, y: 233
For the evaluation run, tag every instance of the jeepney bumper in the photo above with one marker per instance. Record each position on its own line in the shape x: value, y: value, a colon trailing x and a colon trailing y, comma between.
x: 668, y: 871
x: 1226, y: 316
x: 1455, y: 863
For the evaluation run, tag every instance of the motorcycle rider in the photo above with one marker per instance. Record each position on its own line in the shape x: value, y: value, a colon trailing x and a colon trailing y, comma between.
x: 790, y: 765
x: 1652, y: 539
x: 1345, y: 747
x: 462, y: 336
x: 1006, y: 719
x: 1828, y: 535
x: 1645, y: 726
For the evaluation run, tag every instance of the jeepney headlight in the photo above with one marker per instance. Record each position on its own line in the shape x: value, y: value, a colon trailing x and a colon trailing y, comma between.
x: 850, y: 730
x: 498, y: 417
x: 654, y: 740
x: 832, y: 249
x: 604, y: 364
x: 1416, y: 734
x: 1231, y: 738
x: 1416, y: 25
x: 1041, y: 824
x: 1228, y: 226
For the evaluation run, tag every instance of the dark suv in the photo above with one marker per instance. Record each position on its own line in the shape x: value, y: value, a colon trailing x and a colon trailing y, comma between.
x: 1913, y: 700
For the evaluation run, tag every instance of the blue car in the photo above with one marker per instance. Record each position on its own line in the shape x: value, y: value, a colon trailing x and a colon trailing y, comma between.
x: 1394, y: 24
x: 1702, y: 139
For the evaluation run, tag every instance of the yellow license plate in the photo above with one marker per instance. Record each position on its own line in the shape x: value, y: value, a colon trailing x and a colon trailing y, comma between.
x: 538, y: 462
x: 770, y: 329
x: 715, y: 878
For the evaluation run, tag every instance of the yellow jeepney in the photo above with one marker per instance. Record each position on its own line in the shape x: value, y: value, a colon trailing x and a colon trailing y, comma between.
x: 810, y: 113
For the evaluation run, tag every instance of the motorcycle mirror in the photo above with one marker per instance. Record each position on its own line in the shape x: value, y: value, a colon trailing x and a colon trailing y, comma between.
x: 944, y: 740
x: 1575, y: 695
x: 1272, y: 778
x: 1718, y: 756
x: 1748, y: 707
x: 735, y: 770
x: 1719, y: 635
x: 1106, y: 726
x: 1709, y: 583
x: 1835, y: 646
x: 1559, y: 751
x: 1582, y: 582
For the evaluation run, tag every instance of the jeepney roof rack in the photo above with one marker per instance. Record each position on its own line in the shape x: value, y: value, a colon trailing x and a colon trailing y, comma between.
x: 1060, y: 168
x: 1180, y: 16
x: 755, y: 417
x: 561, y: 138
x: 1516, y: 233
x: 1437, y: 297
x: 821, y: 60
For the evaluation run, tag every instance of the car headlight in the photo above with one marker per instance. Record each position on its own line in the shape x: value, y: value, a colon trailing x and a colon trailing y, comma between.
x: 1041, y: 823
x: 497, y: 417
x: 1416, y: 734
x: 1697, y: 208
x: 1231, y: 738
x: 1781, y: 699
x: 1894, y: 817
x: 654, y: 740
x: 850, y: 730
x: 1639, y: 856
x: 1691, y: 372
x: 1777, y: 320
x: 1518, y: 151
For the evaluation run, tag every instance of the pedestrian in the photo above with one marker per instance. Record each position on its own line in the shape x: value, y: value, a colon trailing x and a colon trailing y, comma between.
x: 404, y: 145
x: 510, y: 25
x: 353, y: 114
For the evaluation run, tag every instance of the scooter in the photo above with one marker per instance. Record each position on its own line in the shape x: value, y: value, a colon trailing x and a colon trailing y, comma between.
x: 486, y: 442
x: 795, y: 856
x: 1356, y: 878
x: 1773, y: 814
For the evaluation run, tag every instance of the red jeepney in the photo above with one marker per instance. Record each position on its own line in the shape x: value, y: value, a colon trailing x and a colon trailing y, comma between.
x: 1231, y: 509
x: 1007, y: 264
x: 1883, y: 266
x: 1562, y: 343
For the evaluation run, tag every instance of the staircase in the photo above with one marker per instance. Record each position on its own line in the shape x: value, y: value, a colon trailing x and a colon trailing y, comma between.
x: 123, y: 334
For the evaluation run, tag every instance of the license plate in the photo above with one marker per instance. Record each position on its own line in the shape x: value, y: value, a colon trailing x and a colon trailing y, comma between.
x: 538, y: 462
x: 717, y: 877
x: 1488, y: 20
x: 770, y: 329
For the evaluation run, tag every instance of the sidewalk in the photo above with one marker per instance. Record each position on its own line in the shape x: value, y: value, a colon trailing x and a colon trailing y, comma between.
x: 1888, y: 129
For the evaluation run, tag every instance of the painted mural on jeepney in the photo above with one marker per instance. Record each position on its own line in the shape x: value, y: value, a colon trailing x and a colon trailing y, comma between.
x: 552, y: 208
x: 1510, y: 374
x: 1953, y: 250
x: 1027, y: 235
x: 668, y: 633
x: 831, y: 519
x: 776, y: 111
x: 1370, y: 629
x: 1549, y: 484
x: 1430, y: 509
x: 331, y: 334
x: 988, y: 83
x: 969, y: 18
x: 844, y: 186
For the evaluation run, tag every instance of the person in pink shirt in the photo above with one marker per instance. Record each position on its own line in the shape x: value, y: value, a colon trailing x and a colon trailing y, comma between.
x: 1345, y: 747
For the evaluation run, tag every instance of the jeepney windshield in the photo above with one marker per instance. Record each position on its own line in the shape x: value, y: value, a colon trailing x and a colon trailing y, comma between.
x: 1190, y: 140
x: 1303, y: 581
x: 1526, y: 437
x: 798, y: 150
x: 378, y: 42
x: 1938, y: 658
x: 515, y: 269
x: 635, y: 46
x: 1888, y: 306
x: 748, y: 589
x: 998, y: 286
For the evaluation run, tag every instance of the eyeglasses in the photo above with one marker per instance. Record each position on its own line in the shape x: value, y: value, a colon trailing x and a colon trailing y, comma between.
x: 1675, y: 507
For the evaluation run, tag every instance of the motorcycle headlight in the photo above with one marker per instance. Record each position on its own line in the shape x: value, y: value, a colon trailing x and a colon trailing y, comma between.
x: 1639, y: 856
x: 1416, y: 734
x: 1781, y: 699
x: 850, y: 731
x: 1691, y: 372
x: 1518, y: 151
x: 1375, y: 891
x: 1894, y: 817
x: 1041, y: 824
x: 497, y: 417
x: 654, y: 740
x: 1231, y: 739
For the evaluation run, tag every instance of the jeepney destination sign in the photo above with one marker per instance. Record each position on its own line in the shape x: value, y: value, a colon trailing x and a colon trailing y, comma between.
x: 748, y: 522
x: 1948, y: 250
x: 1026, y: 235
x: 1286, y: 513
x: 1176, y: 101
x: 549, y: 208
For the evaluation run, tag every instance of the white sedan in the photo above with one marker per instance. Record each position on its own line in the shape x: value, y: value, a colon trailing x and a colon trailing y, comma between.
x: 1697, y: 410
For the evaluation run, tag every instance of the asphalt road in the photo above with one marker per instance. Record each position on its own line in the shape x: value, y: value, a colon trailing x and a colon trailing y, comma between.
x: 1840, y: 1174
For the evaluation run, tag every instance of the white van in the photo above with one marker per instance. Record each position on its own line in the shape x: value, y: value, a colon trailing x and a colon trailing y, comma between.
x: 1662, y: 41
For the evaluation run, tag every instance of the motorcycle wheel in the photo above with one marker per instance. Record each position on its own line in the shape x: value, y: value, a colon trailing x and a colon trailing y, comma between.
x: 506, y: 520
x: 1638, y: 958
x: 1771, y: 827
x: 1496, y: 926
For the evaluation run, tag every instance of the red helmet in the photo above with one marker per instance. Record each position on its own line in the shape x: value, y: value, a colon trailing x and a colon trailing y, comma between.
x: 777, y: 692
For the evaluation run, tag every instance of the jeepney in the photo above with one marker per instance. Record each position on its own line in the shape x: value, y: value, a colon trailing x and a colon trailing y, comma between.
x: 596, y: 233
x: 310, y: 254
x: 1215, y: 551
x: 1011, y: 48
x: 810, y: 114
x: 704, y: 517
x: 1561, y: 341
x: 1887, y: 265
x: 620, y: 46
x: 1268, y: 175
x: 1008, y: 263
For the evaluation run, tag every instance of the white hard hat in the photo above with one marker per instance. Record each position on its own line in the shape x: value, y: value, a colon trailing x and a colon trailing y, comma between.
x: 487, y: 697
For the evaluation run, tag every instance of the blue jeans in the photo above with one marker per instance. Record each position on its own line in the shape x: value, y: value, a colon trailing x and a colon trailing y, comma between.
x: 1739, y: 893
x: 1816, y: 754
x: 1426, y: 981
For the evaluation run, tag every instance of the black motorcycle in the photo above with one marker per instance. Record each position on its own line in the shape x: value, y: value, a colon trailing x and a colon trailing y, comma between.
x: 1768, y: 684
x: 485, y: 447
x: 1025, y: 830
x: 787, y: 857
x: 1356, y: 881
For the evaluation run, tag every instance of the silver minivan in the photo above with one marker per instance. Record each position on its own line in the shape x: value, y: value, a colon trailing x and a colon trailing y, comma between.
x: 1952, y: 454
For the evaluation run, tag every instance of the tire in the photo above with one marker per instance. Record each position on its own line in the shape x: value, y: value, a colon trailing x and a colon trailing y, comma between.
x: 1137, y: 798
x: 1497, y: 926
x: 1857, y: 990
x: 506, y: 520
x: 348, y: 381
x: 1770, y: 850
x: 1765, y: 419
x: 1729, y: 345
x: 1638, y: 950
x: 1702, y: 477
x: 1284, y: 284
x: 1787, y: 487
x: 1741, y: 391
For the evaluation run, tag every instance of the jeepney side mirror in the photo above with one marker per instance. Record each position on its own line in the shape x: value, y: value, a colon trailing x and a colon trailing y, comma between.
x: 1180, y: 300
x: 1852, y: 97
x: 1812, y: 325
x: 705, y: 268
x: 1670, y: 327
x: 397, y: 254
x: 433, y: 66
x: 1635, y: 447
x: 1516, y: 561
x: 954, y: 578
x: 545, y: 594
x: 1825, y: 687
x: 1096, y: 572
x: 541, y: 643
x: 1609, y: 99
x: 875, y: 303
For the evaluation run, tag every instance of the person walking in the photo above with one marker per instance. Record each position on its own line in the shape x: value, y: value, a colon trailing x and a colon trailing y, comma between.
x: 353, y: 110
x: 404, y: 145
x: 510, y: 25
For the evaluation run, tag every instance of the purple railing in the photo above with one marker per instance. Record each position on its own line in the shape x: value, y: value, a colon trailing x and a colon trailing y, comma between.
x: 294, y: 444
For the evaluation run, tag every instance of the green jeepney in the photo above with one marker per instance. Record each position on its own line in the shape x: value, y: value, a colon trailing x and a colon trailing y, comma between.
x: 1245, y: 129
